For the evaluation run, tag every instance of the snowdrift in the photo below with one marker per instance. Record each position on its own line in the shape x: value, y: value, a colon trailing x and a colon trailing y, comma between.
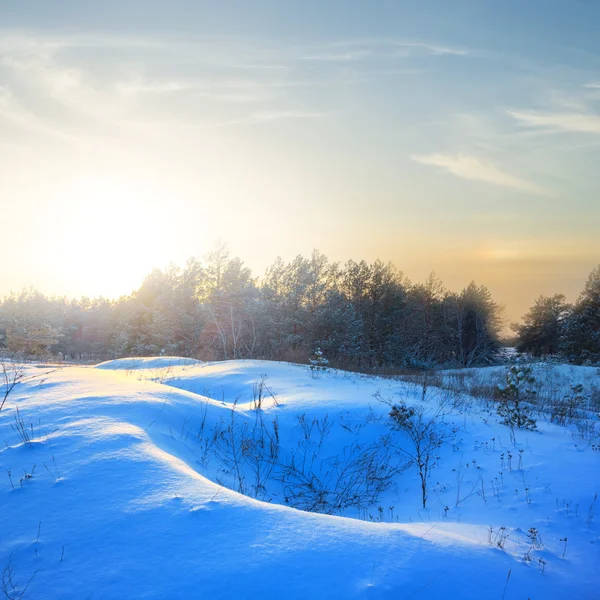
x: 151, y: 362
x: 110, y: 493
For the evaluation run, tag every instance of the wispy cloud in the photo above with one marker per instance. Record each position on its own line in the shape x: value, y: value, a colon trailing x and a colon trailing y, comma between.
x: 338, y: 56
x: 259, y: 67
x: 45, y: 88
x: 166, y: 87
x: 556, y: 122
x: 434, y: 49
x: 18, y: 116
x: 234, y: 92
x: 74, y: 100
x: 355, y: 50
x: 475, y: 169
x: 268, y: 117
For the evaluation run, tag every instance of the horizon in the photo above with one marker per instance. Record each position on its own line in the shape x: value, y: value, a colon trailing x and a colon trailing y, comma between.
x: 507, y: 322
x: 458, y: 139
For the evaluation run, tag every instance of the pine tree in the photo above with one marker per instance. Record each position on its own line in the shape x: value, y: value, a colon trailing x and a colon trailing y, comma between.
x: 543, y: 326
x: 581, y: 341
x: 478, y: 326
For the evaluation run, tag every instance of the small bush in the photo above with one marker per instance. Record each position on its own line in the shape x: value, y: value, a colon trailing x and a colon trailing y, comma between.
x: 569, y: 408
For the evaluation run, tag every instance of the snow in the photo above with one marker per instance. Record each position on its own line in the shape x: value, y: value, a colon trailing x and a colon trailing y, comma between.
x: 128, y: 505
x: 151, y: 362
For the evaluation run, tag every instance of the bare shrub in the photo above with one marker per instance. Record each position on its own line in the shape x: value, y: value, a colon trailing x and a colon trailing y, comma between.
x: 248, y: 452
x: 569, y: 407
x: 10, y: 586
x: 260, y: 390
x: 426, y: 432
x: 355, y: 479
x: 25, y: 432
x: 12, y: 375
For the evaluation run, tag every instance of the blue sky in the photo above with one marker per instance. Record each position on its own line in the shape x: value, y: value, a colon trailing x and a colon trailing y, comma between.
x: 461, y: 137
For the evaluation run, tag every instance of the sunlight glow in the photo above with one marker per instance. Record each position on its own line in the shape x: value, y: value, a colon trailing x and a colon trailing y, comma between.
x: 501, y: 253
x: 107, y: 232
x: 127, y: 148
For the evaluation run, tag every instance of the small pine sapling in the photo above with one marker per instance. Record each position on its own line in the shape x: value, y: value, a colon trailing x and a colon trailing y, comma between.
x: 515, y: 392
x: 318, y: 362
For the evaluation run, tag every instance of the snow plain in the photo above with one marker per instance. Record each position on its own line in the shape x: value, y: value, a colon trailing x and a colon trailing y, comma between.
x: 116, y: 496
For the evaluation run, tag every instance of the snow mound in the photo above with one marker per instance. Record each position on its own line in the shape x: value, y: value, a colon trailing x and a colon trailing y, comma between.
x: 147, y: 362
x: 117, y: 486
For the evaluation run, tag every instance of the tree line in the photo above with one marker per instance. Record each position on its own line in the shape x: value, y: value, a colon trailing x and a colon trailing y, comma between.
x: 365, y: 316
x: 553, y: 327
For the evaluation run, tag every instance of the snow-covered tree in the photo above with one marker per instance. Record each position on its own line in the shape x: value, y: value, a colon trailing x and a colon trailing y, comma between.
x: 543, y: 326
x: 581, y: 341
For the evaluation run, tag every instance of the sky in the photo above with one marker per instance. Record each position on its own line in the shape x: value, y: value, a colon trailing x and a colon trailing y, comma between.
x: 458, y: 137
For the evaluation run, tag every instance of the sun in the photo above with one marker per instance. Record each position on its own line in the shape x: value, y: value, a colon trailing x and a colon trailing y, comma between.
x: 108, y: 234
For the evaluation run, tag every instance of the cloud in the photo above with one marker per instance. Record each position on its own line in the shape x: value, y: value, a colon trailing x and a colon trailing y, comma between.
x: 593, y: 85
x: 553, y: 122
x: 434, y: 49
x: 268, y: 117
x: 259, y: 67
x: 166, y: 87
x: 355, y: 50
x: 44, y: 92
x: 17, y: 115
x: 339, y: 56
x: 475, y: 169
x: 242, y: 92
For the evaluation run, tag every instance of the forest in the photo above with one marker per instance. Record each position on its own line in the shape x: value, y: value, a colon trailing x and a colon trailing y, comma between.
x: 358, y: 315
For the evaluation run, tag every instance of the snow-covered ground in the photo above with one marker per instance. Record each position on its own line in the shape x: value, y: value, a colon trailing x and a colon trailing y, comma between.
x: 151, y: 362
x: 122, y: 478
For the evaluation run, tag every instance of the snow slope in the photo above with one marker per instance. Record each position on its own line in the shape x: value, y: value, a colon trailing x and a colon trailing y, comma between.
x: 122, y: 501
x: 149, y: 362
